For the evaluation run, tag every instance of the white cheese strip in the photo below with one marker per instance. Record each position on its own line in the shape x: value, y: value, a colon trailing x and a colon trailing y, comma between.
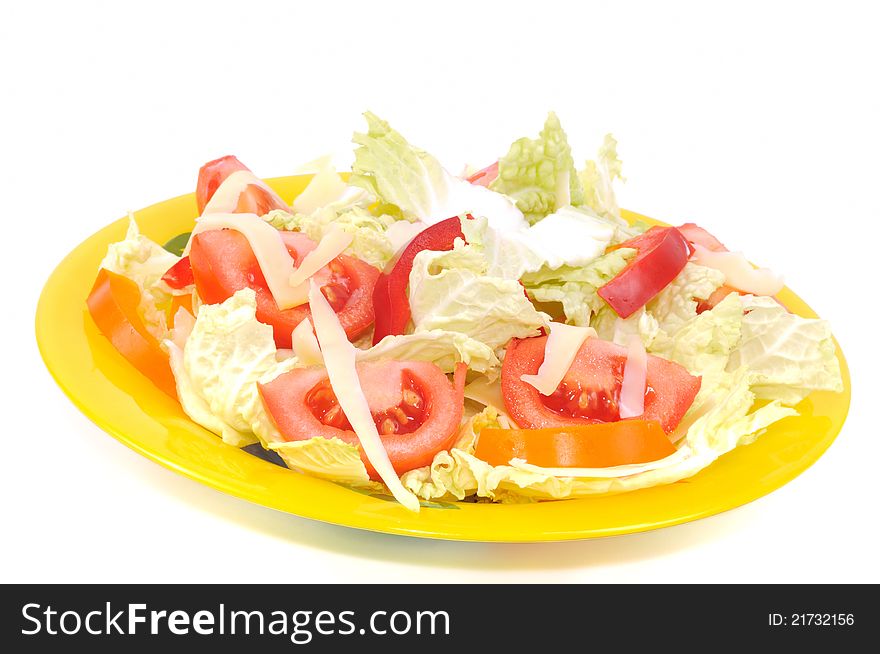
x: 607, y: 473
x: 635, y: 379
x: 283, y: 354
x: 271, y: 253
x: 402, y: 232
x: 331, y: 246
x: 740, y: 274
x: 325, y: 188
x: 225, y: 198
x: 339, y: 358
x: 559, y: 353
x: 305, y: 345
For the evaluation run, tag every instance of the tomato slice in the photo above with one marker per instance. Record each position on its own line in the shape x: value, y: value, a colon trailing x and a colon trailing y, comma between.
x: 590, y: 390
x: 696, y: 234
x: 180, y: 275
x: 417, y: 410
x: 662, y: 253
x: 485, y: 176
x: 254, y: 199
x: 223, y: 263
x: 212, y: 175
x: 390, y: 302
x: 113, y: 303
x: 602, y: 445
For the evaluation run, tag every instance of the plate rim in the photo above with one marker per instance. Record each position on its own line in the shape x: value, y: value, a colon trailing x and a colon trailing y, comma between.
x: 368, y: 521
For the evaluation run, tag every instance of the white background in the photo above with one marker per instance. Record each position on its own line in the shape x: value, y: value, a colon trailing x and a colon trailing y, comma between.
x: 759, y: 121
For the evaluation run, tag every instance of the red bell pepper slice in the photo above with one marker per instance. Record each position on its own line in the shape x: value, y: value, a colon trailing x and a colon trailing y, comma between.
x: 662, y: 253
x: 390, y: 302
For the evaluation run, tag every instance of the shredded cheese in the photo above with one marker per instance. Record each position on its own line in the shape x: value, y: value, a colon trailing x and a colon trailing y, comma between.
x: 635, y: 379
x: 305, y: 345
x: 331, y: 246
x: 740, y: 274
x: 559, y: 353
x: 225, y: 198
x: 339, y: 358
x: 271, y: 253
x: 402, y: 232
x: 606, y: 473
x: 325, y: 188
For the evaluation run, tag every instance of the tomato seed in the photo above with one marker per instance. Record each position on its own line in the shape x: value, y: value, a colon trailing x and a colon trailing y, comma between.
x: 332, y: 415
x: 398, y: 413
x: 388, y: 426
x: 324, y: 395
x: 412, y: 399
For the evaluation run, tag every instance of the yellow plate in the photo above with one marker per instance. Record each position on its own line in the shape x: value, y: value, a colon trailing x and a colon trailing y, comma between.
x: 126, y: 405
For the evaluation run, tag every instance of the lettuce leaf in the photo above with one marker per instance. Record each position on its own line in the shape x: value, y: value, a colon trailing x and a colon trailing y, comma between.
x: 449, y: 475
x: 412, y: 180
x: 506, y: 255
x: 598, y: 177
x: 677, y: 303
x: 610, y: 327
x: 368, y: 230
x: 704, y: 343
x: 217, y: 371
x: 451, y: 291
x: 539, y: 174
x: 145, y: 262
x: 326, y: 458
x: 786, y: 356
x: 575, y: 287
x: 443, y: 348
x: 664, y: 315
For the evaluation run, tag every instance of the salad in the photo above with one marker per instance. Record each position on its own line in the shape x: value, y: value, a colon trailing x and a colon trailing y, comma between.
x: 503, y: 336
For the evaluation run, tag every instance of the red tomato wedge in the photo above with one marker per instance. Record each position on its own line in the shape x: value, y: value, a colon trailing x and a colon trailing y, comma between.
x: 662, y: 253
x: 696, y: 234
x: 254, y: 199
x: 180, y: 275
x: 486, y: 176
x: 113, y: 304
x: 390, y: 302
x: 590, y: 390
x: 212, y: 175
x: 602, y: 445
x: 223, y: 263
x: 417, y: 410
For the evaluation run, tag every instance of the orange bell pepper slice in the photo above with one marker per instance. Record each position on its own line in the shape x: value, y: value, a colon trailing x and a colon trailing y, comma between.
x: 113, y: 303
x: 599, y: 445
